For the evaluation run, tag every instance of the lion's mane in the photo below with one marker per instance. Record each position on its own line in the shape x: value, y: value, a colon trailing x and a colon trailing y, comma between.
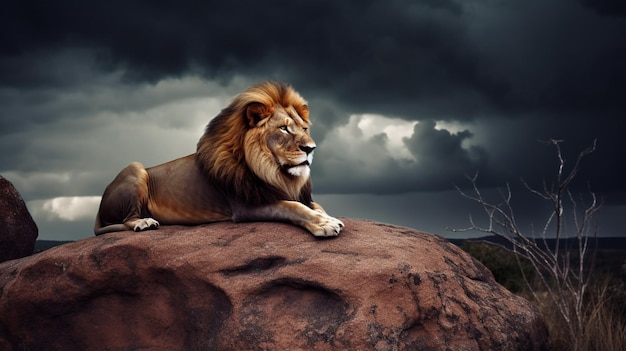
x: 221, y: 151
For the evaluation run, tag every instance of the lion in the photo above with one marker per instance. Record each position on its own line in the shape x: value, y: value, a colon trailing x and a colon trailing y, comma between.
x: 251, y: 164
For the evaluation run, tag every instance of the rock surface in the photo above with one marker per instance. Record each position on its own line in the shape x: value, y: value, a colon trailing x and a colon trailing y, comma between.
x: 261, y: 286
x: 18, y: 231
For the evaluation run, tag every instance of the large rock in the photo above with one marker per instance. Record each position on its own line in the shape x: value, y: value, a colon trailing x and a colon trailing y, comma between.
x: 18, y: 231
x: 261, y: 286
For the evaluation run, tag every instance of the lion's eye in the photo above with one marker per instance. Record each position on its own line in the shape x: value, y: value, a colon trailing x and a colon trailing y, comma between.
x: 284, y: 129
x: 305, y: 129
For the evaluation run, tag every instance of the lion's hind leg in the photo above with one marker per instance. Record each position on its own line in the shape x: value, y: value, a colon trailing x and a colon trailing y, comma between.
x: 123, y: 204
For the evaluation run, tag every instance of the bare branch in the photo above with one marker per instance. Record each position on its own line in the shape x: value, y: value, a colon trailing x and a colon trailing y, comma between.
x: 563, y: 283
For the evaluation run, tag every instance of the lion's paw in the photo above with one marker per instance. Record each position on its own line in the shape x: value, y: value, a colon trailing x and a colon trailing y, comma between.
x: 146, y: 224
x: 326, y: 226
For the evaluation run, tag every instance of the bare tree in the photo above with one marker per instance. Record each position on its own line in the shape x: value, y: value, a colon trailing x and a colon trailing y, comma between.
x: 563, y: 279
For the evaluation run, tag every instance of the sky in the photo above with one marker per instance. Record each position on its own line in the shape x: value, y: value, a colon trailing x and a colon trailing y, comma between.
x: 407, y: 98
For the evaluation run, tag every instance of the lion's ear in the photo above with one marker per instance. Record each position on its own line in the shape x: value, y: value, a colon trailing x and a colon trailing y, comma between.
x: 256, y: 112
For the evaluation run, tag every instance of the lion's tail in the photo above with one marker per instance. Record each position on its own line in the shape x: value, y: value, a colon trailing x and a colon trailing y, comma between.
x: 98, y: 229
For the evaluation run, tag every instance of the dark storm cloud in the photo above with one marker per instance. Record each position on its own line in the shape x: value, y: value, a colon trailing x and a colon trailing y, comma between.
x: 321, y: 44
x: 556, y: 56
x: 438, y: 159
x: 76, y: 75
x: 414, y: 59
x: 558, y: 66
x: 409, y: 57
x: 431, y: 146
x: 517, y: 149
x: 613, y: 8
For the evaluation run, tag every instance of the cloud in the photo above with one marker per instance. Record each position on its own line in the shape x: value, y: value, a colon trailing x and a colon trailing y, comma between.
x: 393, y: 129
x: 381, y: 155
x: 42, y: 184
x: 370, y: 51
x: 613, y: 8
x: 431, y: 144
x: 405, y: 96
x: 409, y: 57
x: 66, y: 208
x: 73, y: 142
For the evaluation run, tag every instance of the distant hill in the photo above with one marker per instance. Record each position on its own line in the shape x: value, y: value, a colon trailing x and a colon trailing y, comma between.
x: 42, y: 245
x: 601, y: 243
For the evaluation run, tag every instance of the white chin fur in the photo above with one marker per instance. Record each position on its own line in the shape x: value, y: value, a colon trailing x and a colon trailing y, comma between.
x: 299, y: 171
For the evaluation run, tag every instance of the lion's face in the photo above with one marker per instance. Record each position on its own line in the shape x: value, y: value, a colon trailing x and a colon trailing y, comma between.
x: 280, y: 145
x: 289, y: 140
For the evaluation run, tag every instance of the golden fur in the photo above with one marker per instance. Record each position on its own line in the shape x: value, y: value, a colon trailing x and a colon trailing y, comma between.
x: 251, y: 164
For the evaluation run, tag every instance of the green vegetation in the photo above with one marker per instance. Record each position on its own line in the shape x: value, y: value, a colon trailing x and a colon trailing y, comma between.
x: 502, y: 264
x: 604, y: 303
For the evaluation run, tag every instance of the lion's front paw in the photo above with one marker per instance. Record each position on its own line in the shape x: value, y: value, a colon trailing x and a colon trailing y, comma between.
x: 326, y: 225
x: 146, y: 224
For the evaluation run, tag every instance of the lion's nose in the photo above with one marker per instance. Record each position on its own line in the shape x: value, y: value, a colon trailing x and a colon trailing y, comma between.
x: 307, y: 148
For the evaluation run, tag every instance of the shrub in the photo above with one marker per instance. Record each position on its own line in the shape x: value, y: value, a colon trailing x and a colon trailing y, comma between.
x: 560, y: 288
x: 505, y: 267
